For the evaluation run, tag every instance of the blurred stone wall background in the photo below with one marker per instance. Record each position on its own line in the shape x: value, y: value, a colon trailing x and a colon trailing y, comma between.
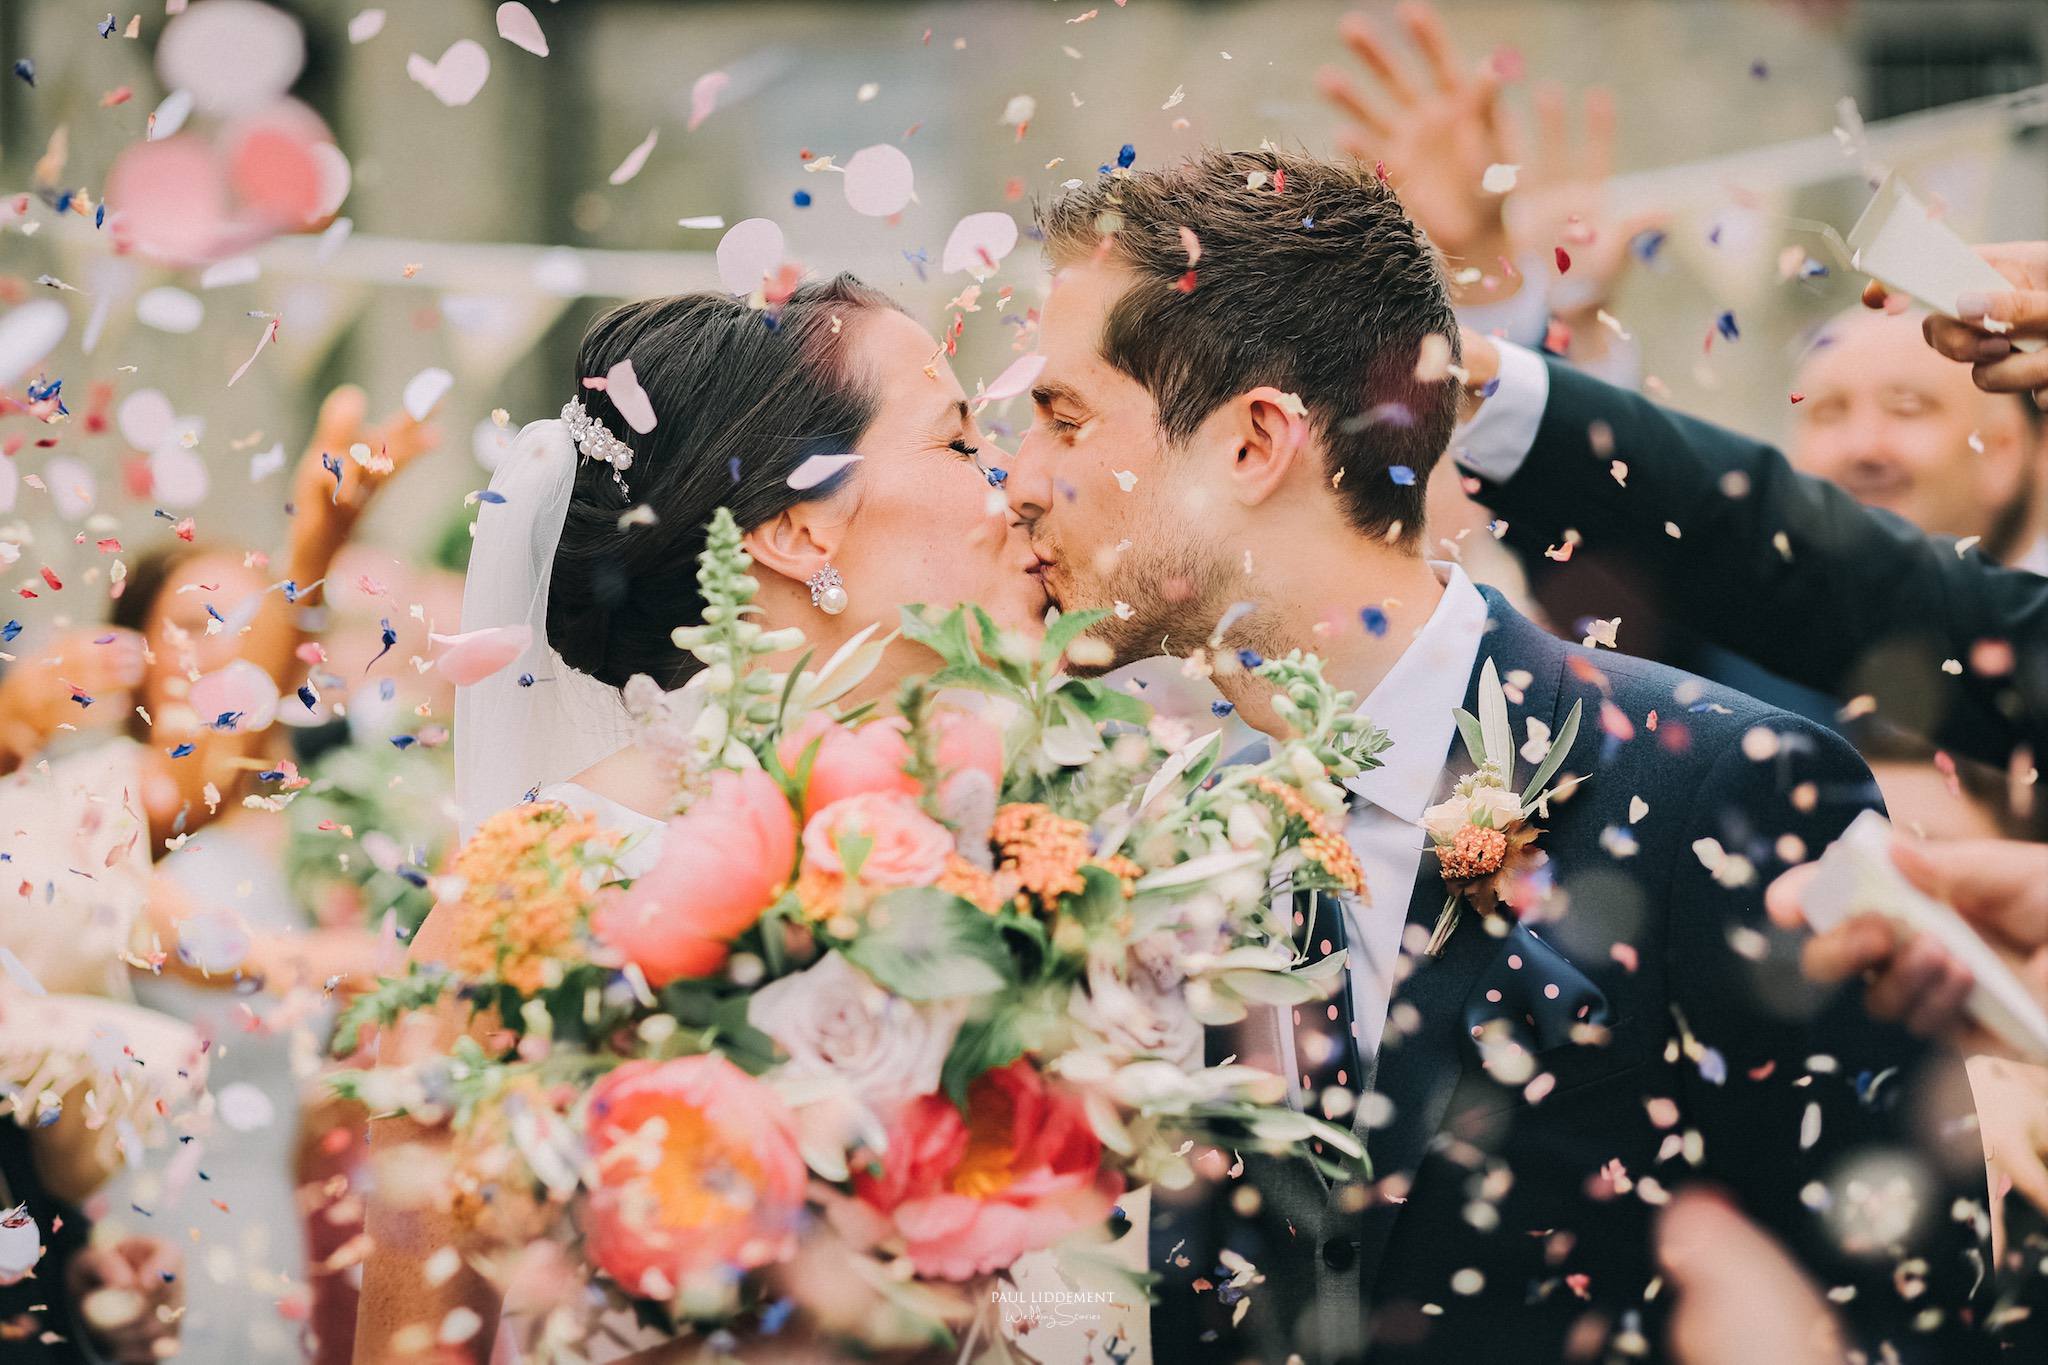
x: 528, y: 161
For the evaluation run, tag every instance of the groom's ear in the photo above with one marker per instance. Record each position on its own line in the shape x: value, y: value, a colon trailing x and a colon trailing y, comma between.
x: 796, y: 543
x: 1273, y: 436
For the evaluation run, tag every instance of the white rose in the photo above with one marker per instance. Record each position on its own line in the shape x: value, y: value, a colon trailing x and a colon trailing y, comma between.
x: 1146, y: 1015
x: 835, y: 1022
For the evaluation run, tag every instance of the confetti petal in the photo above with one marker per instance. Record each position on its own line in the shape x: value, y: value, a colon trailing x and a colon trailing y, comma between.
x: 517, y: 26
x: 1016, y: 377
x: 636, y: 158
x: 457, y: 77
x: 177, y: 476
x: 27, y: 336
x: 475, y: 655
x: 978, y: 244
x: 817, y: 469
x: 424, y: 390
x: 232, y: 55
x: 242, y: 688
x: 879, y: 181
x: 704, y: 96
x: 366, y: 26
x: 170, y: 309
x: 747, y: 253
x: 622, y: 386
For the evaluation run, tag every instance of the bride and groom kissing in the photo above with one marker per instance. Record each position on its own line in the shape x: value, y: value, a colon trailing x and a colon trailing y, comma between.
x: 1248, y: 376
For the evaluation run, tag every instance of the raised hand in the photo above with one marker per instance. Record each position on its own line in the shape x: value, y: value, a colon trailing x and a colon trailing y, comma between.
x: 1435, y: 134
x: 1561, y: 202
x: 341, y: 425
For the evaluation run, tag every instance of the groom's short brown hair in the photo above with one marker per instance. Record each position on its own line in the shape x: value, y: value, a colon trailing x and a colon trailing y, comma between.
x: 1310, y: 278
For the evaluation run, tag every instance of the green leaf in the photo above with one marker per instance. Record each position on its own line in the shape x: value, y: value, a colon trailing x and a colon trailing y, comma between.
x: 1560, y: 747
x: 1101, y: 704
x: 946, y: 637
x: 1493, y: 720
x: 980, y: 677
x: 1468, y: 730
x: 981, y: 1045
x: 853, y: 851
x: 1101, y: 899
x: 927, y: 944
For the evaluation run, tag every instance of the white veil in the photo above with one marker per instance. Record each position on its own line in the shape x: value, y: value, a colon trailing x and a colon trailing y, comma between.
x: 511, y: 738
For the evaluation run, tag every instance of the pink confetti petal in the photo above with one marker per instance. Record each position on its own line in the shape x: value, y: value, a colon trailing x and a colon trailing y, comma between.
x: 517, y: 26
x: 145, y: 418
x: 704, y: 96
x: 457, y: 77
x: 817, y: 469
x: 628, y: 397
x: 1015, y: 379
x: 747, y: 253
x: 978, y: 244
x: 177, y: 476
x: 171, y: 198
x: 879, y: 181
x: 170, y: 309
x: 636, y: 158
x: 474, y: 655
x: 242, y: 687
x: 28, y: 334
x: 269, y: 335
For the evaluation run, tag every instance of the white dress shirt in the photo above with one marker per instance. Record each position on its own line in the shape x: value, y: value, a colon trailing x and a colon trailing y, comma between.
x: 1497, y: 440
x: 1414, y: 703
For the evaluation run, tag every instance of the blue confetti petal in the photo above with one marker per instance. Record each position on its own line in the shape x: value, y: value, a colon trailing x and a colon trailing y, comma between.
x: 802, y: 199
x: 490, y: 495
x: 10, y: 630
x: 1250, y: 658
x: 1646, y: 244
x: 1725, y: 325
x: 181, y: 751
x: 1375, y: 620
x: 402, y: 742
x: 526, y: 679
x: 1220, y: 709
x: 1126, y: 155
x: 308, y: 697
x: 995, y: 476
x: 1402, y: 475
x: 26, y: 69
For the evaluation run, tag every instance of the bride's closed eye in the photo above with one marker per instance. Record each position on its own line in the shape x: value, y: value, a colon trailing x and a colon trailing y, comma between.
x: 960, y: 444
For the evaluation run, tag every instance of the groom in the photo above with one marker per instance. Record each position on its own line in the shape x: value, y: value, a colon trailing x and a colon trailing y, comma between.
x: 1247, y: 383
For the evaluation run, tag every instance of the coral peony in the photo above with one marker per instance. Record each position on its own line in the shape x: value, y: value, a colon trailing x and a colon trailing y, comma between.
x: 902, y: 846
x: 721, y: 865
x: 849, y: 762
x: 969, y: 1196
x: 697, y: 1175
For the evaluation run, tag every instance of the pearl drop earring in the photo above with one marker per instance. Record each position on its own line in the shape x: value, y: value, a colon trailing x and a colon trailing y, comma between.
x: 828, y: 591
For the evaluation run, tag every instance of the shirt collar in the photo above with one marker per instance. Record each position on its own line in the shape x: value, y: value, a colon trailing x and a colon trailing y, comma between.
x: 1416, y: 701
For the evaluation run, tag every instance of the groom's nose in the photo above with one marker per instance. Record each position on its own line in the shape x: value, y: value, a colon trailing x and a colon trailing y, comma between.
x: 1029, y: 487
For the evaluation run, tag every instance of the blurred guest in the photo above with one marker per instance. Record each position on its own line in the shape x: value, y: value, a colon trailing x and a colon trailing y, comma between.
x: 1896, y: 426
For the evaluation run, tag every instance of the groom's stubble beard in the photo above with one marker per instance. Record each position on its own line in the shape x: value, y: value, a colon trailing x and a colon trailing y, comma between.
x: 1176, y: 587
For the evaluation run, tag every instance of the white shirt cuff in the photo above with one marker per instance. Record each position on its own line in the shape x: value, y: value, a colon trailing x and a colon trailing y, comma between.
x: 1494, y: 443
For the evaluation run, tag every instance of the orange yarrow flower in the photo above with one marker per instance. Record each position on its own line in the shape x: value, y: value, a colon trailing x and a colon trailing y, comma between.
x: 1325, y: 844
x: 526, y: 892
x: 1042, y: 854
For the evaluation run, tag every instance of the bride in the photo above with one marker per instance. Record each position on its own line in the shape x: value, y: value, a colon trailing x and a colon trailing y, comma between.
x: 591, y: 537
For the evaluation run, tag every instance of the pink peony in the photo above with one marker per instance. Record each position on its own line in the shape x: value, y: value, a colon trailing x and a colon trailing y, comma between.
x: 905, y: 847
x: 873, y: 758
x: 697, y: 1173
x: 969, y: 1196
x: 722, y: 863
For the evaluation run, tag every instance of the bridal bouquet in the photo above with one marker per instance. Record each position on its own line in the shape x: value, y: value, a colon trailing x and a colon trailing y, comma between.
x: 900, y: 998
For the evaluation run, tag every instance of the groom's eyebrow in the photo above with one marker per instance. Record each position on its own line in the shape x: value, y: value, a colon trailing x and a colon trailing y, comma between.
x: 1045, y: 395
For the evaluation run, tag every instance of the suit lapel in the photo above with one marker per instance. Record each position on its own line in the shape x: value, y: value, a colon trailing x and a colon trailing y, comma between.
x: 1417, y: 1071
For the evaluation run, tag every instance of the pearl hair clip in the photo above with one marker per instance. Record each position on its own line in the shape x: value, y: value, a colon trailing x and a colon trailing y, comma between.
x: 594, y: 441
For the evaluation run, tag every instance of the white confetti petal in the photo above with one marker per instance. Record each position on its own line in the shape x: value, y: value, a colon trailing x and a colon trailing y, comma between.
x: 28, y: 334
x: 879, y: 181
x: 244, y: 1108
x: 170, y: 309
x: 704, y: 220
x: 747, y: 252
x: 978, y: 244
x: 424, y: 390
x: 366, y: 26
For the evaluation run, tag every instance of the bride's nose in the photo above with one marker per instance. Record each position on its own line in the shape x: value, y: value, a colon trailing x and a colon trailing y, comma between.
x: 1029, y: 485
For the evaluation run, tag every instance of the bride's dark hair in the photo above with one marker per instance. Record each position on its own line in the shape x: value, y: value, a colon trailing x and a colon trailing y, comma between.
x: 741, y: 398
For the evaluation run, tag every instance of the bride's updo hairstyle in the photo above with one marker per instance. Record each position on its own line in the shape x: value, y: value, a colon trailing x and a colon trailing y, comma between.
x: 741, y: 398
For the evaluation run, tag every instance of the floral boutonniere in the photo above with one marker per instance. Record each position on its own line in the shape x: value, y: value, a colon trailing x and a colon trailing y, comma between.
x: 1483, y: 836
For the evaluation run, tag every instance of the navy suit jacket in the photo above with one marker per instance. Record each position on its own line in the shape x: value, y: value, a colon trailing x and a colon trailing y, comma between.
x: 1532, y: 1133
